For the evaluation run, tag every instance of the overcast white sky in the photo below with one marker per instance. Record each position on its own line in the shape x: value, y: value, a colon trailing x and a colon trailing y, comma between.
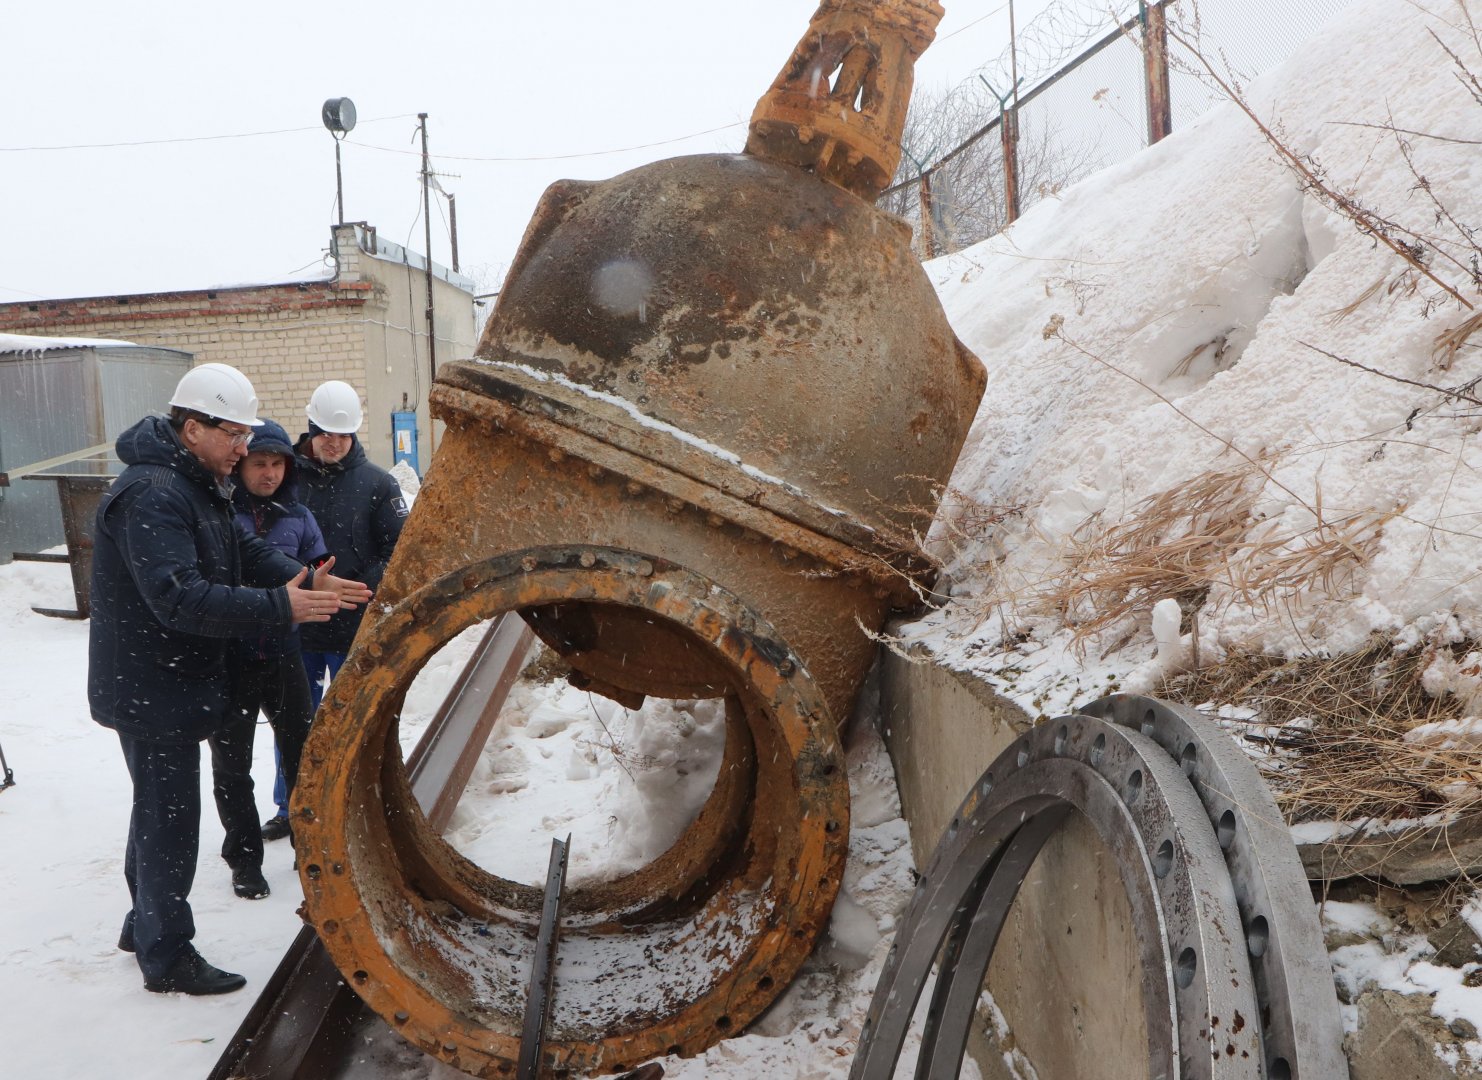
x: 500, y: 79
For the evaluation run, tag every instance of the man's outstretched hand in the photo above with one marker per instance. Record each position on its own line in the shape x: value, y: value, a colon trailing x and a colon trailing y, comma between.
x: 351, y: 593
x: 326, y: 595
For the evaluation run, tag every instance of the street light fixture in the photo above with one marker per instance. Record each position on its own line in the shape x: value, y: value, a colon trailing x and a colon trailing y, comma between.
x: 339, y: 117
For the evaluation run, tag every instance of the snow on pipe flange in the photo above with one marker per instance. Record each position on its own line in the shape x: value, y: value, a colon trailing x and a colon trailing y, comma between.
x: 668, y: 960
x: 1199, y: 996
x: 1302, y: 1031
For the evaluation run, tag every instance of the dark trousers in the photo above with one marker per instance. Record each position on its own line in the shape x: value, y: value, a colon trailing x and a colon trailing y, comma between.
x: 164, y: 836
x: 278, y: 688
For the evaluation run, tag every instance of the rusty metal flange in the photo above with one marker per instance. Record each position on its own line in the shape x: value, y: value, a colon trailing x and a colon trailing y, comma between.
x: 668, y: 960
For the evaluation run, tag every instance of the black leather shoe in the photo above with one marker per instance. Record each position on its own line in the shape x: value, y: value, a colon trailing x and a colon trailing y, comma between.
x: 249, y: 884
x: 192, y: 975
x: 126, y: 938
x: 275, y: 828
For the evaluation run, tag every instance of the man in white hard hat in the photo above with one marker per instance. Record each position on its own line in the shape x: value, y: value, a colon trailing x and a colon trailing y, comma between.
x: 360, y: 510
x: 173, y: 581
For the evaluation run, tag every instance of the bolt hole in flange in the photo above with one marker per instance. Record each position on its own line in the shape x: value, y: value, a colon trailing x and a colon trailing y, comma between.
x: 1185, y: 967
x: 1163, y: 859
x: 1189, y: 758
x: 1224, y: 830
x: 1133, y: 791
x: 1257, y: 934
x: 441, y: 939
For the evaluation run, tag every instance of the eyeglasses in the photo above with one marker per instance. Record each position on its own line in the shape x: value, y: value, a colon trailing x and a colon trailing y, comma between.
x: 239, y: 438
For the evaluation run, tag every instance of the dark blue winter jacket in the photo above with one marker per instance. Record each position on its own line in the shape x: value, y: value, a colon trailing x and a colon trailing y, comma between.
x: 282, y: 521
x: 169, y: 566
x: 360, y: 508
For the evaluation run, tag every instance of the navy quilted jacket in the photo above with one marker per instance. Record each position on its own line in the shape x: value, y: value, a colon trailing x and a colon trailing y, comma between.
x: 174, y: 581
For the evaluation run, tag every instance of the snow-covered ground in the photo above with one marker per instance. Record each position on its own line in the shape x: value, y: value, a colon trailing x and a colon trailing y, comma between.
x: 559, y: 762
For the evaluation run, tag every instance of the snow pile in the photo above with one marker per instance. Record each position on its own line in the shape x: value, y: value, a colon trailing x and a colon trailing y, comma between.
x: 407, y: 478
x: 1163, y: 320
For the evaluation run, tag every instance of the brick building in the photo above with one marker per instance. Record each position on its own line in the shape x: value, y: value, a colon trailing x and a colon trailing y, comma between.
x: 365, y: 323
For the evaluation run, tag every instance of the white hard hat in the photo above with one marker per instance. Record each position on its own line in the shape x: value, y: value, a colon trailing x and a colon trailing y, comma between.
x: 334, y: 406
x: 220, y: 391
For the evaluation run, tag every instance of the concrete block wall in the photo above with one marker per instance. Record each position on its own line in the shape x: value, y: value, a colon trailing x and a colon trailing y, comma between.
x: 286, y: 338
x: 1066, y: 973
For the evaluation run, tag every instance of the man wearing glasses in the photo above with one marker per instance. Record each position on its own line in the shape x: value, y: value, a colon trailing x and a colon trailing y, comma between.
x: 173, y: 581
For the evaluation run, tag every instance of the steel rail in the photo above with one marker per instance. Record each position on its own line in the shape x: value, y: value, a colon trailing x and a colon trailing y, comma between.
x: 301, y: 1024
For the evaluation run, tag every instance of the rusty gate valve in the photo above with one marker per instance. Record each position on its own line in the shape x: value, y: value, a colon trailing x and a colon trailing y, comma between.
x: 839, y: 106
x: 714, y: 406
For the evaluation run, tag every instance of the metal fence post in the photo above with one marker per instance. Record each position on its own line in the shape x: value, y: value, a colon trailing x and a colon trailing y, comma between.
x: 1009, y: 135
x: 928, y: 243
x: 1155, y: 69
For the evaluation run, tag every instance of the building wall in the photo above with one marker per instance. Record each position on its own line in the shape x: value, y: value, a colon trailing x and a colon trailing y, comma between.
x: 397, y: 369
x: 366, y: 326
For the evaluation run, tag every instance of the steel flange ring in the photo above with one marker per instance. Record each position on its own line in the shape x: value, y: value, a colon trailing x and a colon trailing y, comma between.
x: 1198, y: 993
x: 658, y: 963
x: 1301, y: 1029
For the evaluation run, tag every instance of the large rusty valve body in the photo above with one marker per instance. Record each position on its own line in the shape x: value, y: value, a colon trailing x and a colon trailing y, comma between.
x: 669, y: 959
x: 715, y: 399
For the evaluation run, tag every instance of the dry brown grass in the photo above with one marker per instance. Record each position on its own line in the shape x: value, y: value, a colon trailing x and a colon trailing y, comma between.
x: 1182, y: 542
x: 1449, y: 342
x: 1169, y: 545
x: 1337, y: 727
x: 545, y: 667
x: 964, y: 520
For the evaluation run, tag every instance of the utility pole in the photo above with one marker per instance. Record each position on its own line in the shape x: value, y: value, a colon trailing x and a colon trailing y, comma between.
x: 427, y: 254
x: 1155, y: 64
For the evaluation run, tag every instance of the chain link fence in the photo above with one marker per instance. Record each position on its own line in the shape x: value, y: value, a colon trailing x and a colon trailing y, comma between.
x: 1096, y: 83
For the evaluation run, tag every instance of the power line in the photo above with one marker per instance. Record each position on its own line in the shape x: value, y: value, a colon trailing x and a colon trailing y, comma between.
x: 415, y: 153
x: 187, y: 139
x: 371, y: 146
x: 969, y: 26
x: 556, y: 157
